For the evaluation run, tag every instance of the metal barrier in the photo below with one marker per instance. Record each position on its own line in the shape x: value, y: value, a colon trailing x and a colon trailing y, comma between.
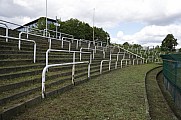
x: 63, y: 64
x: 99, y: 42
x: 86, y: 49
x: 132, y: 53
x: 141, y: 60
x: 49, y: 39
x: 27, y: 33
x: 72, y: 40
x: 93, y: 50
x: 54, y: 50
x: 34, y: 60
x: 126, y: 62
x: 50, y: 43
x: 117, y: 59
x: 102, y: 63
x: 60, y: 34
x: 6, y: 31
x: 103, y: 51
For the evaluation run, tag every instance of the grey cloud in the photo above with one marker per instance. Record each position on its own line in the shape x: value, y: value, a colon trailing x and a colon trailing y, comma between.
x: 164, y: 19
x: 10, y: 10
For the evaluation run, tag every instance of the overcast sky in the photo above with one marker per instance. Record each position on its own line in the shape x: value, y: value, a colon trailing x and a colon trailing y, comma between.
x: 144, y: 22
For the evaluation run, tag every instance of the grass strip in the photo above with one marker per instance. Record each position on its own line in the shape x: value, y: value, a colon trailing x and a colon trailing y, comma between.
x: 158, y: 107
x: 116, y: 95
x: 168, y: 96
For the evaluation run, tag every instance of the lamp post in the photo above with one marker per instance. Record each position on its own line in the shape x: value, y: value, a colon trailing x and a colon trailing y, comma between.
x: 46, y: 19
x: 93, y: 27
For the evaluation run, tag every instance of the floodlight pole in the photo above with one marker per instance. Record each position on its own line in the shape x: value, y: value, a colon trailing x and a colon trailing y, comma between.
x: 46, y: 18
x: 93, y: 27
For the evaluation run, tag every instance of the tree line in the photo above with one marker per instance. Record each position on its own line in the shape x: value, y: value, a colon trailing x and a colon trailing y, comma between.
x: 168, y: 44
x: 77, y: 28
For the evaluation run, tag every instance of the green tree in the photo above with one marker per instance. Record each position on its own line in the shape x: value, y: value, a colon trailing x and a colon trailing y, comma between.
x: 180, y: 50
x: 169, y: 43
x: 77, y: 28
x: 83, y: 30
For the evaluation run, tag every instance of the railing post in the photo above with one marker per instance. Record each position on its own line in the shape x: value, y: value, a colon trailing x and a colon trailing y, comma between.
x: 116, y: 64
x: 90, y: 58
x: 124, y: 55
x: 109, y: 65
x: 80, y: 42
x: 6, y: 31
x: 50, y: 43
x: 73, y: 69
x: 126, y: 62
x: 77, y: 45
x: 43, y: 82
x: 6, y: 34
x: 104, y: 54
x: 47, y: 57
x: 69, y: 46
x: 80, y: 54
x: 101, y: 67
x: 110, y: 62
x: 133, y: 61
x: 34, y: 52
x: 95, y: 49
x: 19, y: 44
x: 89, y: 44
x: 27, y: 33
x: 122, y: 63
x: 62, y: 43
x: 89, y: 66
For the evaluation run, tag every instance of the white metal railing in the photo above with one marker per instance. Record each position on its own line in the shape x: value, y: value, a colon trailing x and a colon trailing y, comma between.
x: 117, y: 58
x: 62, y: 43
x: 54, y: 50
x: 63, y: 64
x: 6, y: 31
x: 141, y: 60
x: 49, y: 39
x: 56, y: 33
x: 27, y: 33
x: 67, y: 35
x: 93, y: 52
x: 102, y: 64
x: 34, y: 59
x: 60, y: 34
x: 126, y: 62
x: 35, y: 31
x: 72, y: 40
x: 158, y: 59
x: 132, y: 53
x: 98, y: 43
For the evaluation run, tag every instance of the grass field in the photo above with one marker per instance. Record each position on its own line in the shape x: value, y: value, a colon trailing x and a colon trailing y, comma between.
x: 118, y: 95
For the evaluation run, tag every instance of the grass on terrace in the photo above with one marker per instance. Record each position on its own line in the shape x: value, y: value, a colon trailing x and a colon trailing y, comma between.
x: 118, y: 95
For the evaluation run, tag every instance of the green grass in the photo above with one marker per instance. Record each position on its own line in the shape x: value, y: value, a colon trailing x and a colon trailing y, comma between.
x: 158, y: 106
x: 168, y: 97
x: 117, y: 95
